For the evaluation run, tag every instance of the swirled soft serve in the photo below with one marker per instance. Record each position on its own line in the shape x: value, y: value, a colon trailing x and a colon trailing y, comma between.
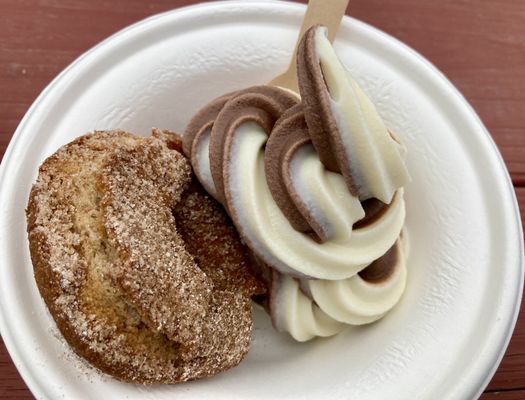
x: 314, y: 185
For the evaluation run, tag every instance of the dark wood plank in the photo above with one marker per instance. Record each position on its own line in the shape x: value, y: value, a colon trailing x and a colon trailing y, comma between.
x: 508, y: 395
x: 11, y: 385
x: 479, y: 45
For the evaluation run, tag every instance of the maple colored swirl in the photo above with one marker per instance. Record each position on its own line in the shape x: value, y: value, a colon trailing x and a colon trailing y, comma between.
x: 228, y: 156
x: 314, y: 185
x: 255, y: 151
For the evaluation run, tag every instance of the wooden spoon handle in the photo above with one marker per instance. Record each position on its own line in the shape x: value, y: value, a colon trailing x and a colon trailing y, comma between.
x: 324, y: 12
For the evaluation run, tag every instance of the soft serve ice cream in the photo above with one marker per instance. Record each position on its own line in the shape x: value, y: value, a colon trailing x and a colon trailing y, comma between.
x: 314, y: 185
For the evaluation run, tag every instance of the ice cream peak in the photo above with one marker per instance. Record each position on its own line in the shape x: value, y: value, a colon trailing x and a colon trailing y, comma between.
x: 346, y: 130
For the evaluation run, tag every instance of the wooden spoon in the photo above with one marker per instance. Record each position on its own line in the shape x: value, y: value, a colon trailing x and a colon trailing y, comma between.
x: 324, y: 12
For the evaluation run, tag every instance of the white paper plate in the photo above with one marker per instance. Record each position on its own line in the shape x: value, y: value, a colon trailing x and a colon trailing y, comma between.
x: 445, y: 339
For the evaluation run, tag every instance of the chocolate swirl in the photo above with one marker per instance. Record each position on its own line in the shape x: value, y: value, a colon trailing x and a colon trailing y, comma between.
x: 346, y: 130
x: 314, y: 187
x: 215, y: 125
x: 257, y: 152
x: 232, y: 155
x: 291, y: 135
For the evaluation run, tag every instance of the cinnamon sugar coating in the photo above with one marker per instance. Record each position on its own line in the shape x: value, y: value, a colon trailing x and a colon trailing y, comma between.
x: 126, y: 291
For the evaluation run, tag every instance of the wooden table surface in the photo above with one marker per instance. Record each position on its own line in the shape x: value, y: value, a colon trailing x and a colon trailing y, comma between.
x: 478, y: 44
